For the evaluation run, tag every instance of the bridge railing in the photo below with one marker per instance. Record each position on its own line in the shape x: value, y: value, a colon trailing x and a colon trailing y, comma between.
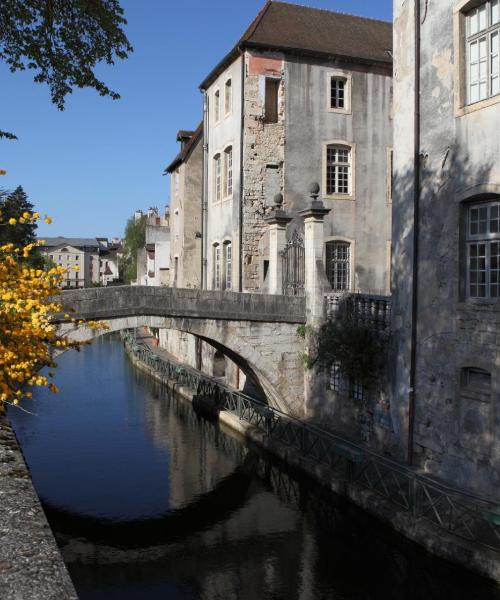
x: 465, y: 515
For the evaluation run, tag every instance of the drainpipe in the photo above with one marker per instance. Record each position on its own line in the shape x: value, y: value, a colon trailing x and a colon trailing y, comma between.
x: 416, y: 231
x: 204, y: 192
x: 242, y: 133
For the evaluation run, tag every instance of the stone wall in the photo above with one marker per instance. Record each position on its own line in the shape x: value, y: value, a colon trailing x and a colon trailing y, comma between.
x: 263, y: 151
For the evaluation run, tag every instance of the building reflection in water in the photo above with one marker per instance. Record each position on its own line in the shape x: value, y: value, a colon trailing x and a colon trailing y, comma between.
x: 226, y: 521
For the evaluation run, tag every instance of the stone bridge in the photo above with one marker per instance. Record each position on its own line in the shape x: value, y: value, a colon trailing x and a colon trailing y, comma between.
x: 256, y: 331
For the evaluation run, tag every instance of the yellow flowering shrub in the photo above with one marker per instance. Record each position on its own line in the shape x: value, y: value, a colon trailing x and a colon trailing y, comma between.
x: 28, y: 298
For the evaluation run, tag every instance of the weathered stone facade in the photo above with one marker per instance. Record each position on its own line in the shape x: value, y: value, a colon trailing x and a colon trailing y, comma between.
x: 263, y: 151
x: 457, y: 419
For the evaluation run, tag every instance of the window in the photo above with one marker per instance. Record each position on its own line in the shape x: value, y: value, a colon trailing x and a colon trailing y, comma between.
x: 217, y: 106
x: 228, y: 97
x: 338, y: 265
x: 271, y: 100
x: 217, y: 178
x: 482, y: 50
x: 483, y: 250
x: 228, y: 172
x: 217, y: 267
x: 337, y: 92
x: 338, y: 170
x: 228, y: 262
x: 339, y: 84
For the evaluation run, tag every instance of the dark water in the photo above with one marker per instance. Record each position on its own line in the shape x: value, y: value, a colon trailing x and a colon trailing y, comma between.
x: 149, y: 501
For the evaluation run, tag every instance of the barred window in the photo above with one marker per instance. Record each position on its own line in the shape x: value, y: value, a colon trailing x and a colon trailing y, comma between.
x: 228, y: 171
x: 338, y: 91
x: 483, y: 51
x: 217, y: 178
x: 338, y: 265
x: 338, y: 169
x: 338, y: 382
x: 483, y: 250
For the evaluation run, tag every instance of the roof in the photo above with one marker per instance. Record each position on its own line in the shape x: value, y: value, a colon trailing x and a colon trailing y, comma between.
x: 312, y: 31
x: 184, y: 134
x: 185, y: 153
x: 76, y: 242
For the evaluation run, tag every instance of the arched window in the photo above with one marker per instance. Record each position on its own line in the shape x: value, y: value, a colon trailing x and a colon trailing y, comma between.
x: 338, y: 172
x: 228, y: 265
x: 483, y: 250
x: 228, y: 97
x: 217, y: 106
x: 338, y: 265
x: 217, y: 266
x: 217, y: 178
x: 228, y: 171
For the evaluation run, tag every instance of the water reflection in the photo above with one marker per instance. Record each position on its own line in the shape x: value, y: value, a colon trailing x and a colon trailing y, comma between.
x: 149, y: 501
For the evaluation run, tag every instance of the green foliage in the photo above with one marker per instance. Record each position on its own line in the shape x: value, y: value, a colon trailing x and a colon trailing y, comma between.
x: 135, y: 239
x: 358, y: 349
x: 62, y: 41
x: 303, y: 330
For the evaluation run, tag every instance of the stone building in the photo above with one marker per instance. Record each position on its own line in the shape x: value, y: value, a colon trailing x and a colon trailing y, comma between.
x: 446, y: 232
x: 305, y: 95
x: 153, y: 261
x: 79, y: 255
x: 186, y: 176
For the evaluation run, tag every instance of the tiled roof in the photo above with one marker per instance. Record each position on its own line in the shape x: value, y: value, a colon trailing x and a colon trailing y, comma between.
x: 311, y: 31
x: 186, y: 151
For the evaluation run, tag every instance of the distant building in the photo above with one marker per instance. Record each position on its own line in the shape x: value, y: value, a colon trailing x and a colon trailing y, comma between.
x: 186, y: 189
x: 153, y: 261
x: 90, y: 261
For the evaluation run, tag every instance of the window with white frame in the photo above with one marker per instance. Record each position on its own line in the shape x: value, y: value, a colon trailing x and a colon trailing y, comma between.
x: 483, y: 51
x: 483, y: 250
x: 338, y: 93
x: 228, y: 265
x: 217, y: 106
x: 228, y: 171
x: 338, y: 169
x: 217, y: 178
x: 338, y: 265
x: 217, y: 266
x: 228, y: 97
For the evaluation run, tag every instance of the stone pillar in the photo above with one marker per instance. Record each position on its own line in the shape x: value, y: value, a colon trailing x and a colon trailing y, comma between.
x: 315, y: 277
x: 277, y: 222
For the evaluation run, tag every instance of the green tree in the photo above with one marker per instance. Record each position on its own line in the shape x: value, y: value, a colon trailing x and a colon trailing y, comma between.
x: 135, y: 239
x: 14, y: 205
x: 62, y: 41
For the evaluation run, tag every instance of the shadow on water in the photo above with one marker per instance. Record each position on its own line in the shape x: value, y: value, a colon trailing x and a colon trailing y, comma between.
x: 227, y: 522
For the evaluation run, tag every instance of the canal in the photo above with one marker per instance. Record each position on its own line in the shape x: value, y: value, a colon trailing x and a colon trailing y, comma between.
x: 147, y: 500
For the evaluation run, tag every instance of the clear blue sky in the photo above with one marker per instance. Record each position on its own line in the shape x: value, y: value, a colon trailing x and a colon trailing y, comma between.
x: 92, y: 165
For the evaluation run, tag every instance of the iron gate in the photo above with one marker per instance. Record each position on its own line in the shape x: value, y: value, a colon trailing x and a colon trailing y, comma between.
x: 293, y: 266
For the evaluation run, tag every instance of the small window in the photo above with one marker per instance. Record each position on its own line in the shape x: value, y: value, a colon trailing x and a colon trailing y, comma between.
x: 483, y: 250
x: 217, y: 106
x: 482, y: 48
x: 228, y: 262
x: 217, y: 178
x: 228, y: 97
x: 338, y: 90
x: 217, y: 267
x: 228, y: 171
x: 338, y: 265
x: 271, y: 100
x: 338, y: 169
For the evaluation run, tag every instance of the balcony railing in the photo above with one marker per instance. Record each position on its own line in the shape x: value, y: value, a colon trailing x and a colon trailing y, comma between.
x: 365, y: 308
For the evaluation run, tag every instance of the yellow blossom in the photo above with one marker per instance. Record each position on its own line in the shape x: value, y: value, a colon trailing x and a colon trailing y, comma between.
x: 12, y: 221
x: 48, y: 220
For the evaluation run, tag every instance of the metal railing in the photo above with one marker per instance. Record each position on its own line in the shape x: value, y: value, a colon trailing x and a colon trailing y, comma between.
x: 465, y: 515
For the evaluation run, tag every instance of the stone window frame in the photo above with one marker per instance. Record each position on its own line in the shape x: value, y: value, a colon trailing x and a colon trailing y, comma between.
x: 225, y: 153
x: 351, y: 195
x: 339, y: 74
x: 352, y: 256
x: 460, y: 64
x: 217, y: 173
x: 228, y: 112
x: 217, y: 106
